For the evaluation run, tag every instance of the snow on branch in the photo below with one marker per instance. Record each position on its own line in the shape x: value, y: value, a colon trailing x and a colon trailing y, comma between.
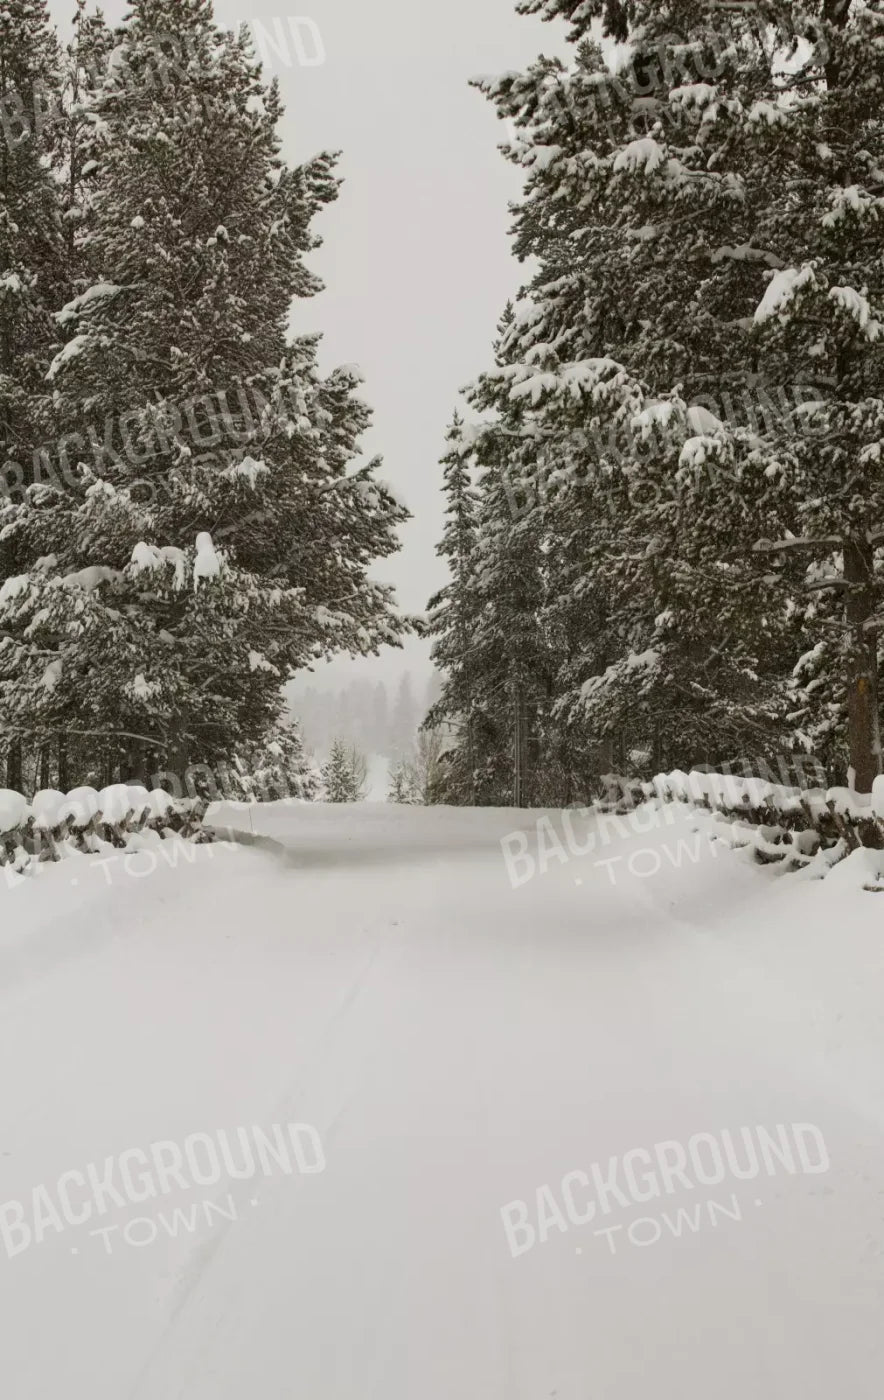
x: 782, y: 289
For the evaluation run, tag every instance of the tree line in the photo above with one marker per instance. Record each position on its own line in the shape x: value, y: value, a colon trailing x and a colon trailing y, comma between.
x: 365, y: 713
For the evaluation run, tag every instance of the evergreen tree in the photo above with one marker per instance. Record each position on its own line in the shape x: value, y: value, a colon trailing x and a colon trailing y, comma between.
x: 508, y: 645
x: 187, y: 576
x: 31, y: 278
x: 618, y: 375
x: 77, y: 138
x: 821, y: 319
x: 279, y: 769
x: 421, y: 778
x: 401, y: 783
x: 510, y: 656
x: 453, y: 615
x: 344, y: 774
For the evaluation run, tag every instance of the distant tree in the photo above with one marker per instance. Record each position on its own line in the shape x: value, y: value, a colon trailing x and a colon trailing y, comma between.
x: 401, y: 783
x: 279, y: 768
x: 453, y: 611
x: 337, y: 775
x: 358, y: 771
x: 420, y: 777
x: 427, y: 768
x: 345, y: 774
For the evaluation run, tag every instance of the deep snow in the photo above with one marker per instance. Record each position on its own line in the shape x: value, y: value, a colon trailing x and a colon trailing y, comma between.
x: 457, y: 1043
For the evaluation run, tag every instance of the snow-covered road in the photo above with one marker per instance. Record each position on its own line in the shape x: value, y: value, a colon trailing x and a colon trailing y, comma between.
x: 462, y: 1048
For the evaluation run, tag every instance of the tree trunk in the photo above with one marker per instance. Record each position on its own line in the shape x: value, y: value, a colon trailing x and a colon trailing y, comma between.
x: 657, y: 751
x: 135, y: 768
x: 15, y: 766
x: 862, y: 667
x: 471, y: 759
x: 64, y: 776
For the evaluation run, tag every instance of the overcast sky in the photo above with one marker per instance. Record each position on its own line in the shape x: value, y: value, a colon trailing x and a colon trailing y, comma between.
x: 416, y: 259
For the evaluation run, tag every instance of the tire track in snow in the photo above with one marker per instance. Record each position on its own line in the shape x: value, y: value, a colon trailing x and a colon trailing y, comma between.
x: 205, y: 1255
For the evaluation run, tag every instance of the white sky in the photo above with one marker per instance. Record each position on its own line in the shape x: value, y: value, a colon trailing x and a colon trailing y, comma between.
x: 416, y: 256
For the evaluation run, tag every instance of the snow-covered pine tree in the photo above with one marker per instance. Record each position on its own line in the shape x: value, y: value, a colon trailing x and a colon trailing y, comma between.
x: 452, y: 615
x: 401, y: 783
x: 31, y: 279
x: 771, y: 115
x: 76, y: 136
x: 422, y: 778
x: 31, y: 245
x: 204, y: 422
x: 817, y: 135
x: 278, y: 769
x: 642, y: 228
x: 69, y: 134
x: 508, y: 652
x: 340, y: 780
x: 487, y: 620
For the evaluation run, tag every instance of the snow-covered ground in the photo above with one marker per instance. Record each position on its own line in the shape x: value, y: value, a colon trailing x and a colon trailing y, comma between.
x: 463, y: 1052
x: 378, y: 778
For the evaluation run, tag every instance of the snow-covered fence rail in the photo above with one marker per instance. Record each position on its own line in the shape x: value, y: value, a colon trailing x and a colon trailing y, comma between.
x: 798, y: 826
x: 56, y: 825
